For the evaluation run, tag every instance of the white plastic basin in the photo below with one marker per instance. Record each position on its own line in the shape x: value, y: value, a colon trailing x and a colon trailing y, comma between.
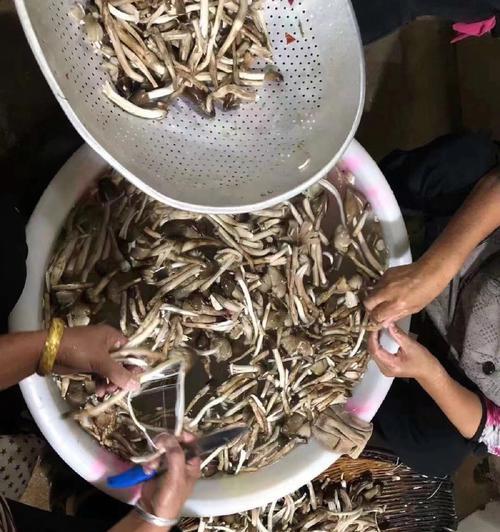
x: 215, y: 496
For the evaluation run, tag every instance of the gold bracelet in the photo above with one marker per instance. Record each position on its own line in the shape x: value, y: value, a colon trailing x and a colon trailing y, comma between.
x: 51, y: 347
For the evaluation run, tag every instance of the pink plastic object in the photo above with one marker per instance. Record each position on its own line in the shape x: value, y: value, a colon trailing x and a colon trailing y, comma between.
x: 474, y: 29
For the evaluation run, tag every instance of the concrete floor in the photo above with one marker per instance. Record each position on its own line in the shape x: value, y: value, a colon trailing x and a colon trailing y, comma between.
x: 419, y: 87
x: 412, y: 89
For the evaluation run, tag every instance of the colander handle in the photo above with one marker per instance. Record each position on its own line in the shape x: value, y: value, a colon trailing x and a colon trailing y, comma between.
x: 130, y: 478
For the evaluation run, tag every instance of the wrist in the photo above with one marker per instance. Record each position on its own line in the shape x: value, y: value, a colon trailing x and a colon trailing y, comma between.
x: 432, y: 265
x: 433, y: 375
x: 66, y: 347
x: 437, y: 268
x: 51, y: 347
x: 162, y: 511
x: 444, y: 259
x: 133, y: 521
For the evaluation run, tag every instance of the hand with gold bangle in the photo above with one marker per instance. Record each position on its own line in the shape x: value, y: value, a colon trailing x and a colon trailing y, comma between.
x: 63, y: 350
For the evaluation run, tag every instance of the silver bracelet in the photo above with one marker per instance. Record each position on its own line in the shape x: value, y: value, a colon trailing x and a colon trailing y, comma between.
x: 153, y: 519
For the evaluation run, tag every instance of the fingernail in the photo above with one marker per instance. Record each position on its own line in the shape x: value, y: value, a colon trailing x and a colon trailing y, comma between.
x: 167, y: 442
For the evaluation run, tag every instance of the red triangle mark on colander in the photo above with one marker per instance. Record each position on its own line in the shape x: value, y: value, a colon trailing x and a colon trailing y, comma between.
x: 289, y: 38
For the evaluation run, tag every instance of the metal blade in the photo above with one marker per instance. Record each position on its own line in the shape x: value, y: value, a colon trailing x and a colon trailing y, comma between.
x: 211, y: 442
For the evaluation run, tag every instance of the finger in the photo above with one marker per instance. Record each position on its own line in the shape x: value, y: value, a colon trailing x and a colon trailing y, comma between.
x: 101, y: 387
x: 118, y: 375
x: 394, y: 318
x: 193, y: 468
x: 174, y: 455
x: 374, y: 346
x: 377, y: 327
x: 376, y: 298
x: 62, y: 370
x: 115, y: 339
x: 385, y: 312
x: 175, y: 464
x: 188, y: 438
x: 165, y: 441
x: 384, y: 369
x: 388, y: 369
x: 168, y: 443
x: 373, y: 342
x: 152, y: 466
x: 381, y: 366
x: 155, y: 463
x: 111, y: 388
x: 378, y: 352
x: 403, y: 339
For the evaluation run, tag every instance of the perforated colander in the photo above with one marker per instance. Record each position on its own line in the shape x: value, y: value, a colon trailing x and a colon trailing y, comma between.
x: 240, y: 161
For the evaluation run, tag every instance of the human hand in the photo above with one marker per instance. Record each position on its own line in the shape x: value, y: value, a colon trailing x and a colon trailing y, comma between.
x: 87, y: 350
x: 165, y: 495
x: 403, y: 291
x: 412, y: 360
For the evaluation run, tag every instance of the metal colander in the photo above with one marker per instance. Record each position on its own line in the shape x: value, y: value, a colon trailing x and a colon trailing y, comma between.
x: 240, y: 161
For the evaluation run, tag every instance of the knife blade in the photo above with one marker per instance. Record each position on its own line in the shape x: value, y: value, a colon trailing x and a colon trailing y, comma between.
x: 210, y: 442
x: 204, y: 446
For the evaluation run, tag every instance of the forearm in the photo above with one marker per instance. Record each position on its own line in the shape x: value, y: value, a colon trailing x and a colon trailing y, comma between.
x: 461, y: 406
x: 19, y: 356
x: 476, y: 219
x: 133, y: 523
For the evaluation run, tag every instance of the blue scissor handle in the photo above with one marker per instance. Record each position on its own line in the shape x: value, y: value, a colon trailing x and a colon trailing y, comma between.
x: 131, y: 477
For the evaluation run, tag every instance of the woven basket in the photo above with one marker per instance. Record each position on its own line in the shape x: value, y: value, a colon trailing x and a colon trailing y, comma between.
x: 414, y: 502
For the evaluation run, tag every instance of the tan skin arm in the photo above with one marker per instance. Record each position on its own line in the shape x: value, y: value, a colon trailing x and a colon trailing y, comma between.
x: 82, y: 349
x: 20, y: 353
x: 461, y: 406
x: 165, y: 495
x: 408, y: 289
x: 87, y: 349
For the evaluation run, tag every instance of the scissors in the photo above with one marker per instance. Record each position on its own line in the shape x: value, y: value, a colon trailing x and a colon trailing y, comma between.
x: 204, y: 446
